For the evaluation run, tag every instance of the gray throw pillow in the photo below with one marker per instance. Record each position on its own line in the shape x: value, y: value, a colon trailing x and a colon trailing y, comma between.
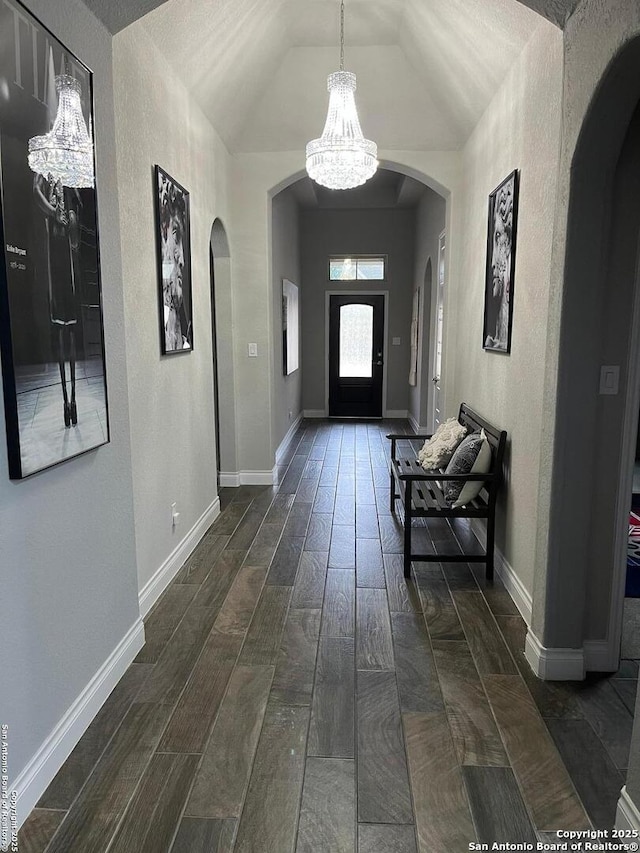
x: 473, y: 448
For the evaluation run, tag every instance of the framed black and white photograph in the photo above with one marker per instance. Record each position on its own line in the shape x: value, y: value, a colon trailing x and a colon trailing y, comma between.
x: 174, y: 264
x: 290, y: 327
x: 51, y: 331
x: 501, y: 263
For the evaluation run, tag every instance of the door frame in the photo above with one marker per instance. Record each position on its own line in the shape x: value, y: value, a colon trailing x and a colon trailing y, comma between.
x: 385, y: 346
x: 629, y: 438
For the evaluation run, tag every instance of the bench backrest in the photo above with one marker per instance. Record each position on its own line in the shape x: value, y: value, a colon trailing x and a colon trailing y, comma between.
x: 498, y: 441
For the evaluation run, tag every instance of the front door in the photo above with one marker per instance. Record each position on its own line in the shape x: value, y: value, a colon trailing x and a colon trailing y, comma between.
x: 356, y: 348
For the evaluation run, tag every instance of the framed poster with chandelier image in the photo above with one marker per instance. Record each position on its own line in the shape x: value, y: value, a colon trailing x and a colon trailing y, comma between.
x: 51, y: 330
x: 501, y: 265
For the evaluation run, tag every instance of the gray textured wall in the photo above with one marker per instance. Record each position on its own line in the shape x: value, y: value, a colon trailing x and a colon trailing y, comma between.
x: 287, y: 390
x: 356, y: 232
x: 68, y: 567
x: 430, y: 218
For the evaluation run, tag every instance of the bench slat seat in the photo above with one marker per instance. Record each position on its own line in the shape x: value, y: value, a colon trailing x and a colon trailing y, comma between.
x: 421, y: 494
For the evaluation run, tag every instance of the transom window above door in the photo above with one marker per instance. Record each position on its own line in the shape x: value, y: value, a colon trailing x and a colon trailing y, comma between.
x: 362, y: 268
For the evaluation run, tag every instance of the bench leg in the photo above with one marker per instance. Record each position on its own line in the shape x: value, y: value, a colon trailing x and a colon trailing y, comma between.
x: 392, y: 493
x: 491, y: 538
x: 407, y: 529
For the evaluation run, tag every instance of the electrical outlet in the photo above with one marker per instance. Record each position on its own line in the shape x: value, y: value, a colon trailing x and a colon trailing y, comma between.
x: 175, y: 515
x: 290, y: 415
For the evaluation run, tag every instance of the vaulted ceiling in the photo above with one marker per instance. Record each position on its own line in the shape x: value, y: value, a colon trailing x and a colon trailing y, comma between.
x: 426, y: 69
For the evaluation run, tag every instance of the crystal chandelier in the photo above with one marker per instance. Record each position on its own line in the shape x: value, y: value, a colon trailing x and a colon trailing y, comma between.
x: 66, y: 152
x: 342, y: 158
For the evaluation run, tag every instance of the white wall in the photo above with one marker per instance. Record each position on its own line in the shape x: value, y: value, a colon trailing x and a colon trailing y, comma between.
x: 170, y: 397
x: 287, y: 390
x: 68, y: 582
x: 430, y: 220
x: 520, y: 129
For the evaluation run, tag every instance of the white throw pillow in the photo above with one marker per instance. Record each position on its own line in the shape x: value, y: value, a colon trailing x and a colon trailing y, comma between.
x: 465, y: 463
x: 438, y: 450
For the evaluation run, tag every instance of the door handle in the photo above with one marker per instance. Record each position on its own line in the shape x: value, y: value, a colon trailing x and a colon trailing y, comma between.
x: 378, y: 363
x: 435, y: 380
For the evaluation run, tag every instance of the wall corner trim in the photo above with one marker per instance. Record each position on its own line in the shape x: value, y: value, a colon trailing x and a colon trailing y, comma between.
x: 551, y: 664
x: 514, y: 586
x: 627, y: 814
x: 597, y: 657
x: 40, y: 771
x: 286, y: 441
x: 154, y: 588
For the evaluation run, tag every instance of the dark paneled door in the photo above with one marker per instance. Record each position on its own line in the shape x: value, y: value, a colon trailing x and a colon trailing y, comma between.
x: 356, y: 347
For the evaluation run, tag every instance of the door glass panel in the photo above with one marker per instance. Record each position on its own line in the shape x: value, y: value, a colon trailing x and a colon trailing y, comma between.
x: 356, y: 341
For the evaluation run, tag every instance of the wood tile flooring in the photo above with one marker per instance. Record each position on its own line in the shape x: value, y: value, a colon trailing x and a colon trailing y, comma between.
x: 297, y: 695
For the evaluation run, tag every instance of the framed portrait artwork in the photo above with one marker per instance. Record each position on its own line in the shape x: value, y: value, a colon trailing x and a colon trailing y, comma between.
x: 173, y: 243
x: 51, y: 330
x: 501, y: 263
x: 290, y: 327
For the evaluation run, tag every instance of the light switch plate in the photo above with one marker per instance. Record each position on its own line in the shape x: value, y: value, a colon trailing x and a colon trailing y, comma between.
x: 253, y: 350
x: 395, y: 342
x: 609, y: 379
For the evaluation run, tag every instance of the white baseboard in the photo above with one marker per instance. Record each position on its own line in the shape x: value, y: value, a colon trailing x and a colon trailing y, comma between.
x: 39, y: 772
x: 154, y: 588
x: 551, y: 664
x: 229, y: 479
x: 514, y: 586
x: 415, y: 426
x: 248, y: 478
x: 286, y: 441
x: 259, y: 478
x: 396, y: 414
x: 627, y: 815
x: 314, y: 413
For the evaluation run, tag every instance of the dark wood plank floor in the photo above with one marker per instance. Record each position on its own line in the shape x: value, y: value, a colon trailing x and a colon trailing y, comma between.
x: 297, y: 695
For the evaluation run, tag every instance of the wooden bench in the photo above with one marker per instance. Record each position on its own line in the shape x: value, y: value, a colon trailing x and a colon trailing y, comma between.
x: 423, y: 498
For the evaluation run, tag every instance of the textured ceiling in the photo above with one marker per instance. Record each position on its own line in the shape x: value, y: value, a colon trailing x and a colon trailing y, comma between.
x: 426, y: 69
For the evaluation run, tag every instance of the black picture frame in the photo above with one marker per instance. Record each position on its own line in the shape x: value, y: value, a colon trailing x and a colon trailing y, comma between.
x: 51, y: 316
x: 173, y: 248
x: 501, y: 264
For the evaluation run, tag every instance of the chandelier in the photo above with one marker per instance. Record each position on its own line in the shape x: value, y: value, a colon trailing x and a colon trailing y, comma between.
x: 342, y: 158
x: 66, y: 152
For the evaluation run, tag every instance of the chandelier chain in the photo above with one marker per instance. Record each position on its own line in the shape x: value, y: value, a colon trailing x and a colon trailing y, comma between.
x: 341, y: 35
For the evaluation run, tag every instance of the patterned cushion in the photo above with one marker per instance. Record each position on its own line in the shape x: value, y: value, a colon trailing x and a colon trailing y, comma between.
x: 438, y: 450
x: 473, y: 456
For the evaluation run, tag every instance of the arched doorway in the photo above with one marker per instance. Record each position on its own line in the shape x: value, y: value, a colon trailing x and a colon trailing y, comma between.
x: 596, y: 425
x: 222, y: 351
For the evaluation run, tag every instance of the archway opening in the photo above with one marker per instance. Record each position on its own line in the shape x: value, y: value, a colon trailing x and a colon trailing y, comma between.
x: 596, y: 424
x: 394, y: 217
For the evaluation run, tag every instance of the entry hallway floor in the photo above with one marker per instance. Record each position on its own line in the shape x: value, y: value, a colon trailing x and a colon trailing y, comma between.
x: 295, y: 693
